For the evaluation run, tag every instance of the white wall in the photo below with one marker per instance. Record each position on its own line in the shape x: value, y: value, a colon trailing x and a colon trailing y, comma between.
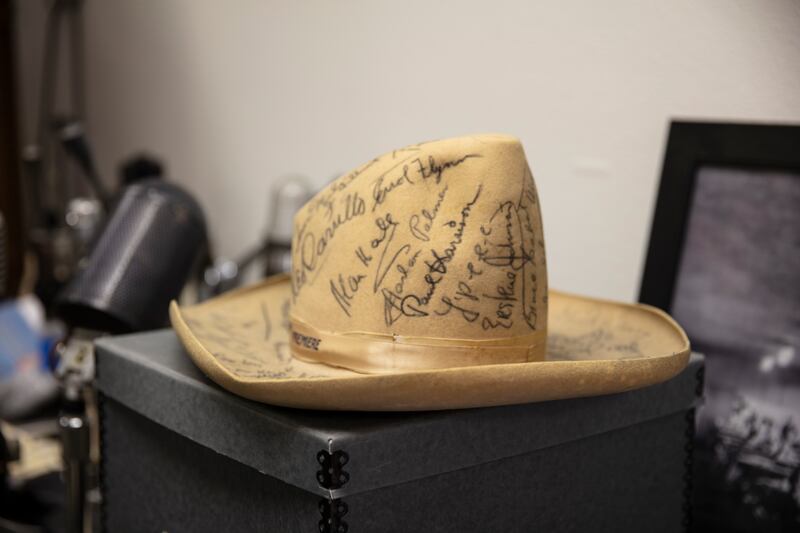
x: 237, y: 93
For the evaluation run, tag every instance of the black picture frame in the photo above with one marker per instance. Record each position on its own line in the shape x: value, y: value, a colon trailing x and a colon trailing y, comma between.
x: 691, y: 145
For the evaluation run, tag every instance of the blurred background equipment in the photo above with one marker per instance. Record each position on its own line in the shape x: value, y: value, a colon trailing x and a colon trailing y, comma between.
x: 287, y: 198
x: 104, y: 256
x: 60, y: 150
x: 26, y: 381
x: 73, y: 140
x: 275, y: 250
x: 84, y: 217
x: 141, y: 261
x: 140, y: 167
x: 79, y: 432
x: 30, y: 491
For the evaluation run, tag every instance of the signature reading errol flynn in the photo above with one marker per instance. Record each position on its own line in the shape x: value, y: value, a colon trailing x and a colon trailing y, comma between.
x: 339, y: 204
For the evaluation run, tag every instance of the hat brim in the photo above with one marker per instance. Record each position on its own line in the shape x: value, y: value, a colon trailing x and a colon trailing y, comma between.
x: 241, y: 341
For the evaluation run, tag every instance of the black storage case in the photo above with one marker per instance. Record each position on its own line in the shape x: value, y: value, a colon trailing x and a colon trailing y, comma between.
x: 181, y: 454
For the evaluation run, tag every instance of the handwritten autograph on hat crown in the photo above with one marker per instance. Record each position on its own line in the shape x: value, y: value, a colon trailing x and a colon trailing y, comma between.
x: 457, y: 245
x: 417, y: 235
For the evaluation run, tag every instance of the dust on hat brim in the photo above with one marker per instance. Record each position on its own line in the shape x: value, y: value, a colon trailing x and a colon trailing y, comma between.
x: 241, y: 341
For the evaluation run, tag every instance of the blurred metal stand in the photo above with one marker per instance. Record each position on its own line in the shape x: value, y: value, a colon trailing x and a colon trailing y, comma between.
x: 76, y: 373
x: 140, y: 261
x: 49, y: 181
x: 287, y: 198
x: 275, y: 250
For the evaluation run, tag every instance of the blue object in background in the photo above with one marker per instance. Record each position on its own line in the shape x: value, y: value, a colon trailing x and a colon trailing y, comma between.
x: 20, y: 346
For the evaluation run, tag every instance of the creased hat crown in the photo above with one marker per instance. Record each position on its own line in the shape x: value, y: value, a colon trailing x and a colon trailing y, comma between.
x: 427, y: 256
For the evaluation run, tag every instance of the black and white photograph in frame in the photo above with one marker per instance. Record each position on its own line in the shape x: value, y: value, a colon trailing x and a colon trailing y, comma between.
x: 736, y: 291
x: 738, y: 297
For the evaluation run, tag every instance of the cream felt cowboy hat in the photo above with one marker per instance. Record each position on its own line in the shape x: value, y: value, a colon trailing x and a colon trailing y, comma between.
x: 419, y: 282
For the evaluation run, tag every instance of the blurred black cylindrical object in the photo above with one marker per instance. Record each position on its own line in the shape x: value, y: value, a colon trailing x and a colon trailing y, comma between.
x: 140, y: 262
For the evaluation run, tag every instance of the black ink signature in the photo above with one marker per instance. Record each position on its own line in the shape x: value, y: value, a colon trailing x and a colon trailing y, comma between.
x: 344, y: 290
x: 363, y: 257
x: 468, y: 314
x: 380, y: 190
x: 505, y: 247
x: 463, y: 293
x: 423, y: 232
x: 387, y: 226
x: 472, y: 271
x: 312, y: 247
x: 505, y: 252
x: 267, y: 321
x: 529, y: 294
x: 438, y: 267
x: 395, y: 306
x: 432, y: 169
x: 506, y: 298
x: 404, y: 271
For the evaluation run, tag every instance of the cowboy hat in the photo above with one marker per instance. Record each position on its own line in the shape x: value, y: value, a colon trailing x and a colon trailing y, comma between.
x: 419, y: 282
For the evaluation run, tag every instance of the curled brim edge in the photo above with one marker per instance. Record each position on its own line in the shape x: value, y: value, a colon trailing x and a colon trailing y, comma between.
x: 240, y: 341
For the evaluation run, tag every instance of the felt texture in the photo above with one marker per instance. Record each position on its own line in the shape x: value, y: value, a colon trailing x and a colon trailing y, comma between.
x: 419, y: 282
x: 241, y: 341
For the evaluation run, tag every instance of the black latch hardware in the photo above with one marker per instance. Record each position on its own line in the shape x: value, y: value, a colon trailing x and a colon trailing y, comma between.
x: 332, y: 512
x: 332, y: 474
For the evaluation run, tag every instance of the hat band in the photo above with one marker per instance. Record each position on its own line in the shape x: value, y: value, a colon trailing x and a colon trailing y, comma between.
x: 372, y: 353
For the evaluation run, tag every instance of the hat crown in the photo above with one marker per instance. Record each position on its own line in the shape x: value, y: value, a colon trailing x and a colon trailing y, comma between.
x: 438, y: 240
